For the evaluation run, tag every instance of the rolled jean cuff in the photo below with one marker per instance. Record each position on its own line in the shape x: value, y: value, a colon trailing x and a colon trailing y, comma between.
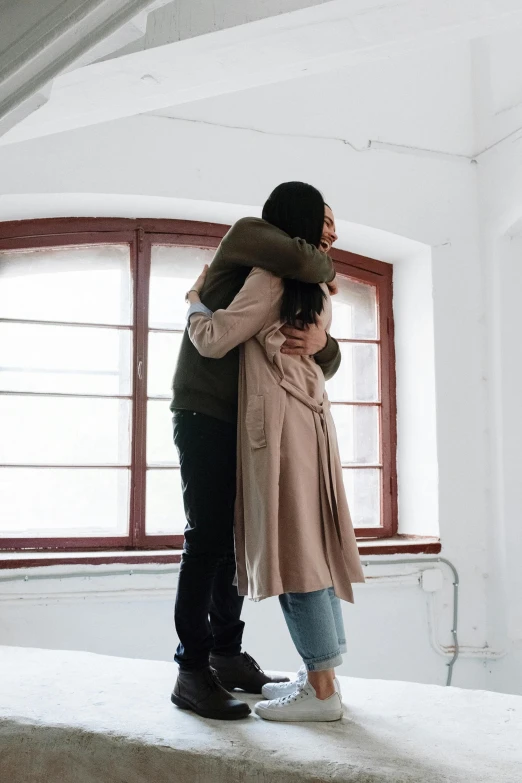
x: 322, y: 664
x: 343, y: 648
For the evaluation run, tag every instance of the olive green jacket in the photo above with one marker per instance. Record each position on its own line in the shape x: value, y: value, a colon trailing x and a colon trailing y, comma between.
x: 210, y: 386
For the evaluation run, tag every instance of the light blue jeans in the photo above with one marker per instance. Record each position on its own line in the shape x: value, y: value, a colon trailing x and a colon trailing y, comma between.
x: 315, y: 622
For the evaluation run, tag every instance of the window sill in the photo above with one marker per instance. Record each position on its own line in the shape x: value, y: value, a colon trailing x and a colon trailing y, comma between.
x: 394, y: 545
x: 37, y: 559
x: 400, y: 545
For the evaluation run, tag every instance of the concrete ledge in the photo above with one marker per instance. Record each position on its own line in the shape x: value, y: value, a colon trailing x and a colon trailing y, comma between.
x: 74, y: 717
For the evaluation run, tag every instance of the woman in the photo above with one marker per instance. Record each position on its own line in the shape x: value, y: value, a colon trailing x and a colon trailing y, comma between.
x: 293, y: 533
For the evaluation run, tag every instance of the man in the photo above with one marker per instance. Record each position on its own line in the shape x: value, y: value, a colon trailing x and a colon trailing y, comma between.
x: 208, y: 607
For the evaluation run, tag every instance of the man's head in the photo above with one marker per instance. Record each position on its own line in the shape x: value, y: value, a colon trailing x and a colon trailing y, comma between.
x: 299, y: 210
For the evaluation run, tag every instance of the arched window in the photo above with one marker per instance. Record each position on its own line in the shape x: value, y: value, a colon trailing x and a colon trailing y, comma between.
x: 91, y: 317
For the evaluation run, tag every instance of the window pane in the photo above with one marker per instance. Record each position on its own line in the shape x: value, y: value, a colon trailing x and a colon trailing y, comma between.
x: 164, y: 513
x: 354, y: 310
x: 357, y: 433
x: 173, y: 270
x: 357, y: 378
x: 66, y: 359
x: 163, y: 355
x: 363, y: 490
x: 63, y: 502
x: 160, y: 444
x: 89, y: 284
x: 58, y: 431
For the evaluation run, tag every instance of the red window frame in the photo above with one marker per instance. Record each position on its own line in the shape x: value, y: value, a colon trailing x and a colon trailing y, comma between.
x: 141, y: 235
x: 380, y: 275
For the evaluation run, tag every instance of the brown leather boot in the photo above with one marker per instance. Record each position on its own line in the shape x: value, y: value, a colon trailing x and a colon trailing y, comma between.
x: 201, y: 692
x: 241, y: 671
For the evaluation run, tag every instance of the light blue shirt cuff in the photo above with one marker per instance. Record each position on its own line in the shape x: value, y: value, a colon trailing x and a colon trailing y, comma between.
x: 198, y: 307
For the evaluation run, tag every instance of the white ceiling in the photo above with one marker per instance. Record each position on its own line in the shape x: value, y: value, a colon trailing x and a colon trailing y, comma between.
x: 361, y: 58
x: 383, y: 100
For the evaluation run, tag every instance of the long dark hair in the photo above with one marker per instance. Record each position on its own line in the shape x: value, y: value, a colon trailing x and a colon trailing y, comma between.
x: 298, y: 210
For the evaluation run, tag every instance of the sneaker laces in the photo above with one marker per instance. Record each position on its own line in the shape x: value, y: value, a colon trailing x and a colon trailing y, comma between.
x: 302, y: 674
x: 299, y: 693
x: 298, y: 680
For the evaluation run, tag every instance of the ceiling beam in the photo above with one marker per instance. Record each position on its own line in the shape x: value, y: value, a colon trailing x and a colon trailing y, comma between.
x: 40, y: 38
x: 323, y: 38
x: 180, y: 20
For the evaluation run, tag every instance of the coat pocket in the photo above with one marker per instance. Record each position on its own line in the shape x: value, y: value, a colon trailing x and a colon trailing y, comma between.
x: 255, y: 421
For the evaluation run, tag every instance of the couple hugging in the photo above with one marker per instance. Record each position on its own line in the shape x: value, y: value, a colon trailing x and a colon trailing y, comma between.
x: 261, y: 475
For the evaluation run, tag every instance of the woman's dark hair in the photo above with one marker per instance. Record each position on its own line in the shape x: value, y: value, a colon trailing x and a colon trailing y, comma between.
x: 298, y: 210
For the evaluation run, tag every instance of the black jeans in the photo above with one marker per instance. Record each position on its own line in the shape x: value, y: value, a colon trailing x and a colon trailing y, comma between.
x: 208, y: 607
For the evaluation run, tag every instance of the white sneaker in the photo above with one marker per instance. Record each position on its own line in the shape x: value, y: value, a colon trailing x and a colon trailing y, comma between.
x: 276, y: 690
x: 302, y: 705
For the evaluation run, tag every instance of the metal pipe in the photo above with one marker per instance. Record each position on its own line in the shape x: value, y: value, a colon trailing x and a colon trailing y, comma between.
x: 170, y: 570
x: 83, y: 574
x: 450, y: 565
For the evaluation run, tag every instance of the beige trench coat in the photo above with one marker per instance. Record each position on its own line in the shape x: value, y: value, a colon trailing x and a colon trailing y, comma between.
x: 293, y: 531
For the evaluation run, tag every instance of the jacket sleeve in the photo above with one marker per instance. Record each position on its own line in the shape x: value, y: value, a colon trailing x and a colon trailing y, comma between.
x: 216, y: 334
x: 329, y: 359
x: 253, y: 242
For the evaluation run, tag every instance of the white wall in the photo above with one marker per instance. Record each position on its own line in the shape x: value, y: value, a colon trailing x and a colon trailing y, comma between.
x: 417, y: 463
x: 436, y: 199
x: 92, y: 608
x: 500, y: 199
